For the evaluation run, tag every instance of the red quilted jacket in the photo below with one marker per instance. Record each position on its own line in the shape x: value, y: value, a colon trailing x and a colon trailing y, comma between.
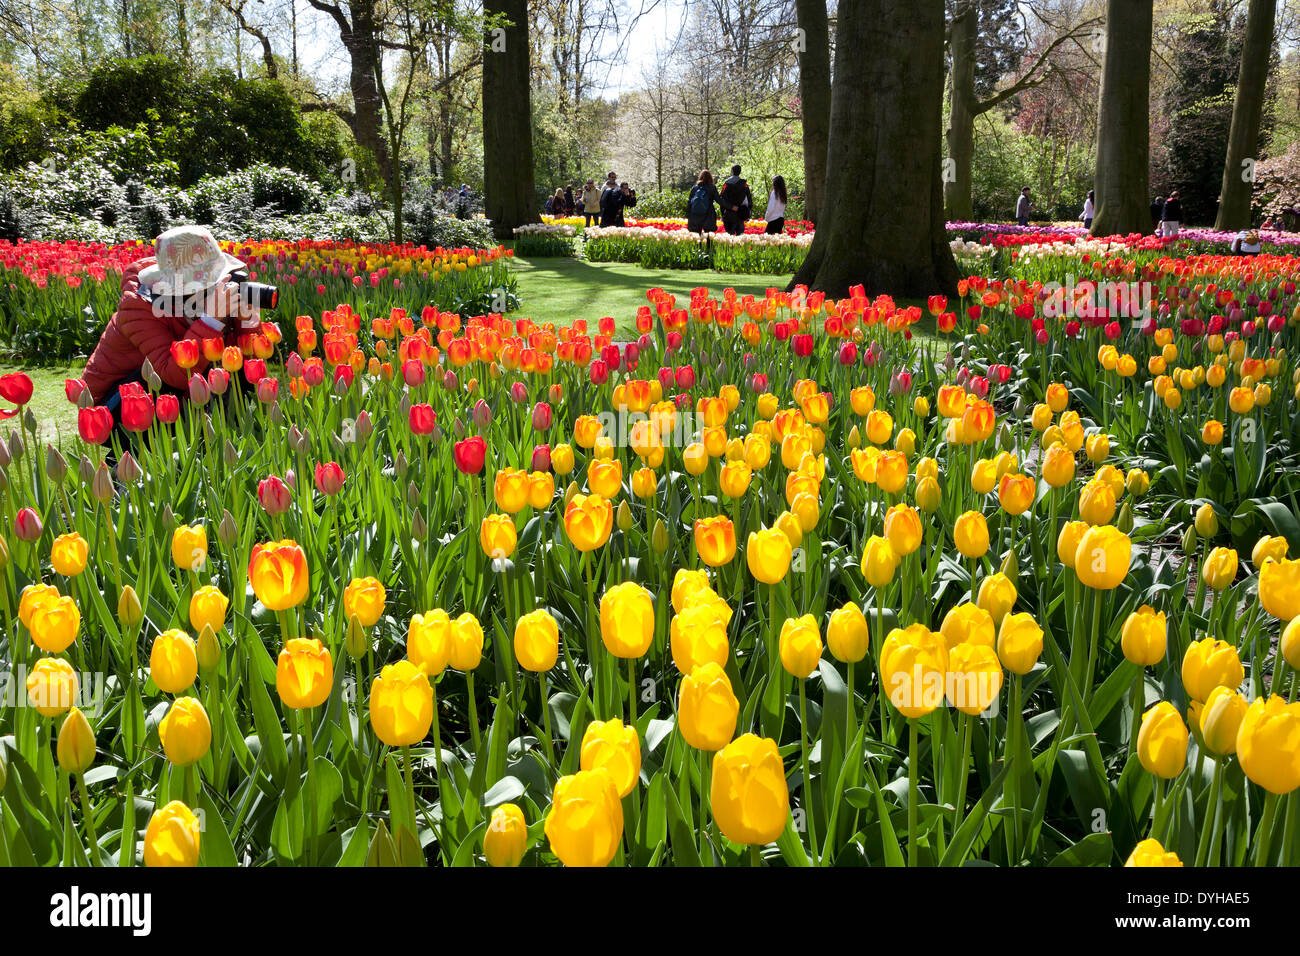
x: 135, y: 333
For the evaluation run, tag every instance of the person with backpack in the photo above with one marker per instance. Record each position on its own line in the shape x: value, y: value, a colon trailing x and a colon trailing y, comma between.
x: 774, y: 215
x: 735, y: 201
x: 700, y: 214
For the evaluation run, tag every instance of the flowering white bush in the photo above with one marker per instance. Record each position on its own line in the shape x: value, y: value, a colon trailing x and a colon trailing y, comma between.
x: 545, y: 229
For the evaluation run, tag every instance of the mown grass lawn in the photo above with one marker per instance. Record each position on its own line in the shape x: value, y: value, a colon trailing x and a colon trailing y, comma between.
x: 560, y: 290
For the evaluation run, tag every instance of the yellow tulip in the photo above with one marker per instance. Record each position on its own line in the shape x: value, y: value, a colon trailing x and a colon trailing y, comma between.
x: 749, y: 796
x: 506, y: 837
x: 847, y: 635
x: 707, y: 708
x: 1268, y: 744
x: 172, y: 837
x: 173, y: 661
x: 185, y: 732
x: 1162, y: 741
x: 614, y: 747
x: 800, y: 645
x: 401, y: 704
x: 537, y: 641
x: 585, y: 824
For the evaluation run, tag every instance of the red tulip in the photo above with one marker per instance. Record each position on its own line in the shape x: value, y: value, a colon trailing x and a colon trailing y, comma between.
x: 482, y: 415
x: 598, y: 371
x: 674, y: 341
x: 413, y: 372
x: 685, y: 377
x: 185, y: 353
x: 168, y: 408
x: 422, y: 419
x: 541, y: 458
x: 27, y: 525
x: 330, y: 478
x: 848, y: 353
x: 469, y: 454
x: 268, y: 390
x: 95, y: 424
x: 542, y: 416
x: 344, y: 374
x: 218, y: 380
x: 16, y: 387
x: 137, y: 410
x: 946, y: 322
x: 802, y: 344
x: 254, y: 370
x: 72, y: 388
x: 274, y: 495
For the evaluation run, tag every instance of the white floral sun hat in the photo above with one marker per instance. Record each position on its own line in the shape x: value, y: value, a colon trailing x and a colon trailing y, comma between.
x: 189, y: 260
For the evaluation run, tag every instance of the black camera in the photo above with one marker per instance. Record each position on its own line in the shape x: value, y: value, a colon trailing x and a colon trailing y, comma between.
x: 255, y: 295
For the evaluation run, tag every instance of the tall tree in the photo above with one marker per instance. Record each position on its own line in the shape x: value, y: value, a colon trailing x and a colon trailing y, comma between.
x: 982, y: 47
x: 1123, y: 133
x: 882, y: 222
x: 814, y: 100
x: 360, y: 28
x: 1247, y: 111
x: 508, y: 189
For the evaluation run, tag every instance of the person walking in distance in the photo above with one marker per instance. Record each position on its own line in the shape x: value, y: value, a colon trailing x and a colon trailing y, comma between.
x: 1023, y: 206
x: 589, y: 202
x: 1088, y: 211
x: 774, y: 215
x: 735, y: 198
x: 1173, y: 215
x: 701, y: 217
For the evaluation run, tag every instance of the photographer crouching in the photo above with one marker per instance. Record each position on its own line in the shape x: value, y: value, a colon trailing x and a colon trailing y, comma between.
x: 189, y: 292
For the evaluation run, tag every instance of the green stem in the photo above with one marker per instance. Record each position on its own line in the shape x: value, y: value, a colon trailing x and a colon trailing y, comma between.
x: 1264, y: 835
x: 807, y: 776
x: 913, y: 807
x: 88, y: 817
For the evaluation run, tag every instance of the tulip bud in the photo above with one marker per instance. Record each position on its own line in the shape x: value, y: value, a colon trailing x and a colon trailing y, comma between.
x: 419, y: 530
x: 482, y: 415
x: 412, y: 494
x: 147, y: 370
x: 129, y: 611
x: 1125, y: 520
x: 29, y: 420
x: 659, y: 536
x: 101, y: 485
x: 16, y: 446
x: 27, y: 525
x: 1006, y: 439
x: 624, y: 516
x: 399, y: 464
x: 1010, y: 566
x: 229, y: 454
x: 76, y: 746
x: 457, y: 502
x: 404, y: 408
x: 363, y: 427
x: 569, y: 492
x: 1206, y: 522
x: 128, y: 471
x: 209, y: 431
x: 227, y: 530
x: 5, y: 457
x: 275, y: 414
x: 458, y: 427
x: 56, y: 466
x: 209, y: 650
x: 355, y: 640
x: 168, y: 518
x: 85, y: 470
x: 199, y: 390
x: 1189, y: 540
x: 85, y: 399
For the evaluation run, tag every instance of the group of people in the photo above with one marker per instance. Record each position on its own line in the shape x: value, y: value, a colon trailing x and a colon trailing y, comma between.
x: 604, y: 205
x: 601, y: 205
x: 1166, y: 219
x: 736, y: 201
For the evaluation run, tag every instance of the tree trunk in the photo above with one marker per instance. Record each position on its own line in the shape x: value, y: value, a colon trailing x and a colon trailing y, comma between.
x: 1123, y: 130
x: 815, y: 100
x: 361, y: 46
x: 1247, y: 108
x: 882, y: 223
x: 183, y: 29
x: 961, y: 115
x: 507, y: 122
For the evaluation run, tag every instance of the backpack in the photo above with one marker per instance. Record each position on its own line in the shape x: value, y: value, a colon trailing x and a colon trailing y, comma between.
x: 699, y: 202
